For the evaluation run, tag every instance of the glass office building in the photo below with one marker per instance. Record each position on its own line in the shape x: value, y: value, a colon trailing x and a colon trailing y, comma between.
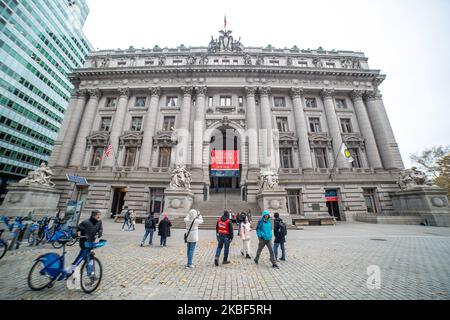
x: 41, y: 42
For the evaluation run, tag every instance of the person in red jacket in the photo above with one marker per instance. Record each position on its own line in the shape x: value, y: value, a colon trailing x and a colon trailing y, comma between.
x: 224, y: 233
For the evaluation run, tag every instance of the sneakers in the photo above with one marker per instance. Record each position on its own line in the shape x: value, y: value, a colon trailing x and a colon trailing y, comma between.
x: 216, y: 262
x: 242, y: 252
x: 142, y: 244
x: 248, y: 256
x: 226, y: 262
x: 256, y: 261
x: 283, y: 259
x: 190, y: 267
x: 275, y: 266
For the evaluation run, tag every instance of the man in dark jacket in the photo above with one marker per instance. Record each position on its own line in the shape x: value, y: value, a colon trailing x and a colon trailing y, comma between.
x: 224, y: 233
x: 89, y: 228
x: 164, y: 228
x: 126, y: 218
x: 280, y: 237
x: 150, y: 227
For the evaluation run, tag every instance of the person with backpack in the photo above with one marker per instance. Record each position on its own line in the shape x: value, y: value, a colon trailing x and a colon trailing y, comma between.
x: 192, y: 220
x: 126, y: 218
x: 150, y: 227
x: 279, y: 231
x: 245, y: 234
x: 264, y: 232
x: 224, y: 233
x: 164, y: 229
x: 133, y: 220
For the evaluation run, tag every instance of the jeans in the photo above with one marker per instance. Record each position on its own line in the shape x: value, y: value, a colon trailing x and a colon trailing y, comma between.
x: 163, y: 240
x: 83, y: 254
x: 147, y: 233
x: 190, y: 252
x: 263, y: 243
x: 127, y: 223
x: 283, y: 250
x: 223, y: 240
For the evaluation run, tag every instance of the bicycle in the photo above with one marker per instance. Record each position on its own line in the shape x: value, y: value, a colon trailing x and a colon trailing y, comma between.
x: 53, y: 234
x: 16, y: 228
x: 36, y: 231
x: 49, y: 268
x: 3, y: 245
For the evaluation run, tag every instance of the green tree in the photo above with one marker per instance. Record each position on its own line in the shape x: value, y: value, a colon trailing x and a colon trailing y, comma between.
x: 443, y: 179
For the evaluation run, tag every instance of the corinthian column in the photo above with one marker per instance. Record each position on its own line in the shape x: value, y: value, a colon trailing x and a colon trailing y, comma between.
x: 181, y: 156
x: 389, y: 152
x: 252, y: 128
x: 116, y: 129
x: 199, y: 127
x: 366, y: 130
x: 333, y: 126
x: 269, y: 154
x: 302, y: 128
x: 75, y: 119
x: 85, y: 128
x: 149, y: 129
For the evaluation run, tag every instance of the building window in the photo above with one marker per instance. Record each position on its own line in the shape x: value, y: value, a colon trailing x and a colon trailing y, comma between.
x: 330, y: 65
x: 97, y: 156
x: 235, y: 62
x: 149, y: 62
x: 111, y: 102
x: 357, y: 163
x: 225, y: 101
x: 370, y: 200
x: 105, y: 124
x: 140, y: 102
x: 286, y: 157
x: 216, y: 61
x: 310, y: 103
x: 156, y: 201
x: 303, y: 64
x: 274, y: 62
x: 210, y: 101
x: 177, y: 62
x: 164, y: 157
x: 241, y: 101
x: 136, y: 123
x: 130, y: 157
x: 314, y: 125
x: 340, y: 104
x: 169, y: 124
x: 321, y: 158
x: 121, y: 63
x: 282, y: 124
x: 279, y: 102
x: 226, y: 62
x: 346, y: 126
x: 172, y: 101
x: 294, y: 202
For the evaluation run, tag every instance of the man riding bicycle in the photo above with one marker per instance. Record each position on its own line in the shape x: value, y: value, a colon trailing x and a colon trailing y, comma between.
x: 88, y: 229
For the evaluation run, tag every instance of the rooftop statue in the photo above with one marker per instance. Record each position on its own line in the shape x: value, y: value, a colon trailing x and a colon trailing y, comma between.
x: 41, y: 176
x: 225, y: 42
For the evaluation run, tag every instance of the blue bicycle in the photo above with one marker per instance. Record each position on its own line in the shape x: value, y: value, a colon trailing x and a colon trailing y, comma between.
x: 37, y: 231
x: 49, y: 268
x: 15, y: 228
x: 52, y: 234
x: 3, y: 245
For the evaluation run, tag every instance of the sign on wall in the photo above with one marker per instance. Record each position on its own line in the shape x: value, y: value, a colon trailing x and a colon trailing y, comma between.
x: 225, y: 163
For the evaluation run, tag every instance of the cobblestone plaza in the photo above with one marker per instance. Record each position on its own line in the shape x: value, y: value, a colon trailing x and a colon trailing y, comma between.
x: 324, y: 263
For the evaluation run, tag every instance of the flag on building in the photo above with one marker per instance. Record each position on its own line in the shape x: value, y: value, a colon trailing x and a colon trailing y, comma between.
x: 225, y: 22
x: 346, y: 153
x: 108, y: 150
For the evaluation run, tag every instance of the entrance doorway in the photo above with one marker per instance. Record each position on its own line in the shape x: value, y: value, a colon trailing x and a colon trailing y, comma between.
x: 118, y: 201
x: 333, y: 203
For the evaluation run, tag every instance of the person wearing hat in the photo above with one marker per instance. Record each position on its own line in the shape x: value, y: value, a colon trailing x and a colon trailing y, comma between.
x: 224, y: 234
x: 192, y: 220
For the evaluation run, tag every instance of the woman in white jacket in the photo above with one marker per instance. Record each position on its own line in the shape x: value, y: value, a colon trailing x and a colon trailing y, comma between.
x: 193, y: 219
x: 245, y: 234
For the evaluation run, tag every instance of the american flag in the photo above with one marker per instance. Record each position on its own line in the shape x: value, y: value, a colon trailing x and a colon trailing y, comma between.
x: 108, y: 150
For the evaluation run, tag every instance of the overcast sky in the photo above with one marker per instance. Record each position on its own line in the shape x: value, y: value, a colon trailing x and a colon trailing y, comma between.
x: 408, y: 40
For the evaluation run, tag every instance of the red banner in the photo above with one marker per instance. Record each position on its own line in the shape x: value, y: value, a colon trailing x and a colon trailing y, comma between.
x: 225, y: 160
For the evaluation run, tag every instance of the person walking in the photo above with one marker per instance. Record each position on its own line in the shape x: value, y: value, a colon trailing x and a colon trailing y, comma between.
x: 126, y: 218
x: 133, y: 219
x: 224, y: 233
x: 245, y: 234
x: 150, y: 227
x: 164, y: 229
x: 279, y: 232
x: 264, y: 232
x: 192, y: 220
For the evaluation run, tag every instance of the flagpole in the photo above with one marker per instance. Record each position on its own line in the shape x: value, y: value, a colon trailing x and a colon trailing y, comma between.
x: 335, y: 160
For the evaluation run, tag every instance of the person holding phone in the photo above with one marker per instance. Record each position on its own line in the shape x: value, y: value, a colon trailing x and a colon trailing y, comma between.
x: 192, y: 220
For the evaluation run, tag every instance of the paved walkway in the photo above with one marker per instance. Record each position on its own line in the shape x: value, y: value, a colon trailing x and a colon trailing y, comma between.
x: 323, y: 263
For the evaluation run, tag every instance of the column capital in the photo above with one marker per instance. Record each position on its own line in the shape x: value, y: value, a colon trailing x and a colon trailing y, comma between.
x: 296, y: 92
x: 373, y: 95
x: 187, y: 91
x: 124, y: 92
x: 327, y: 93
x: 155, y: 91
x: 94, y: 93
x: 264, y: 91
x: 356, y: 95
x: 250, y: 91
x: 81, y: 93
x: 201, y: 91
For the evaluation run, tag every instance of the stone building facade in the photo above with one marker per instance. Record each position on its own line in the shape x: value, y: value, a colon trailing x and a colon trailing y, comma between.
x: 287, y: 109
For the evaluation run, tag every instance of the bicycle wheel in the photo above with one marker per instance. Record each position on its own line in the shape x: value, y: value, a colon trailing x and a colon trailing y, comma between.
x: 36, y: 280
x: 91, y: 280
x: 3, y: 248
x: 73, y: 240
x: 33, y: 237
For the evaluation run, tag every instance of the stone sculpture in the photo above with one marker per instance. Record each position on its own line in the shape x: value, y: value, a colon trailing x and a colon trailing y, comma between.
x: 411, y: 178
x: 40, y: 176
x: 180, y: 178
x: 268, y: 180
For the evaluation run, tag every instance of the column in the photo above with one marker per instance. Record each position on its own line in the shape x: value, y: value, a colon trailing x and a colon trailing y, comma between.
x: 302, y: 129
x: 366, y: 130
x: 334, y: 128
x: 252, y: 128
x: 384, y: 136
x: 266, y: 136
x: 72, y: 129
x: 199, y: 127
x: 85, y: 128
x: 181, y: 155
x: 149, y: 129
x: 63, y: 129
x: 116, y: 129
